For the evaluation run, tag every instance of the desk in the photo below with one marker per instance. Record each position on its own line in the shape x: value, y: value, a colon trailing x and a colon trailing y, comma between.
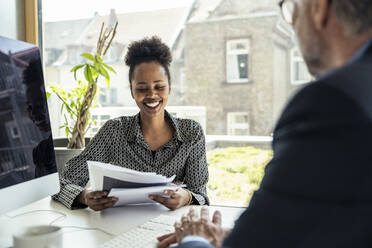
x: 113, y: 220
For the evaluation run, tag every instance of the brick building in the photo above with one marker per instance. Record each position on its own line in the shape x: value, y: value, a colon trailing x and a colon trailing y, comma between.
x: 238, y: 61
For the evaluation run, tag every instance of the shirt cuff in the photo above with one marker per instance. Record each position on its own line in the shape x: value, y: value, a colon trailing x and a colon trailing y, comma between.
x: 200, y: 200
x: 68, y: 194
x: 191, y: 238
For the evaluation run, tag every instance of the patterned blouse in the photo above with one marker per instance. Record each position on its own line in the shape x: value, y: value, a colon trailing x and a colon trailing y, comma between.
x: 120, y: 142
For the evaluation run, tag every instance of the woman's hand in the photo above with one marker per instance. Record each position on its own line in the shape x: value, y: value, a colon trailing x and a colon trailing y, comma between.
x: 177, y: 198
x: 97, y: 200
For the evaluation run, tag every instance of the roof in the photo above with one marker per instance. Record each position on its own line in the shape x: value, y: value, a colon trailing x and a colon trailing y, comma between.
x: 166, y: 23
x: 214, y: 9
x: 60, y: 34
x: 203, y: 8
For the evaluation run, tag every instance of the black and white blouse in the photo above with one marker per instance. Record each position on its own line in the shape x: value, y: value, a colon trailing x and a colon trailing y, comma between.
x: 120, y: 142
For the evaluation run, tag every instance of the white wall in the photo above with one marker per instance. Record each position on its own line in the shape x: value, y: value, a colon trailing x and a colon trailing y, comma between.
x: 12, y: 19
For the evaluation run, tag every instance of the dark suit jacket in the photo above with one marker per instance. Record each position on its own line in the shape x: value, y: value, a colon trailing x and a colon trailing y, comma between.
x: 317, y: 190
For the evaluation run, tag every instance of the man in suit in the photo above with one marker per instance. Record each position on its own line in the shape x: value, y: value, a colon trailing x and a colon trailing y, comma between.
x: 317, y: 189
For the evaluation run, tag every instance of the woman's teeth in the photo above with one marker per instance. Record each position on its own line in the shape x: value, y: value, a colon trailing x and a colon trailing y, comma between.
x: 152, y: 105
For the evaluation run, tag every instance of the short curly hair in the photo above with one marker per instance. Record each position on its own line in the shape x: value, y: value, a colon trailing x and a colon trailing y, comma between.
x: 148, y: 50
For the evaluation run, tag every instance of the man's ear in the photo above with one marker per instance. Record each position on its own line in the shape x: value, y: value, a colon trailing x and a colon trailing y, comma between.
x: 320, y: 12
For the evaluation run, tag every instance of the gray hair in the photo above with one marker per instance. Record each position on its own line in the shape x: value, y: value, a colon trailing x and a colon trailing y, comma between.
x: 356, y: 14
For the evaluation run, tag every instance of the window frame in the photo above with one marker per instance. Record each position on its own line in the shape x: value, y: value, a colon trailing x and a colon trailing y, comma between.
x: 232, y: 126
x: 228, y: 52
x: 297, y: 59
x: 108, y: 93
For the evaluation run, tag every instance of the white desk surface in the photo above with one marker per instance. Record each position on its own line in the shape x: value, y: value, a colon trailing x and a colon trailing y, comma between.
x: 113, y: 220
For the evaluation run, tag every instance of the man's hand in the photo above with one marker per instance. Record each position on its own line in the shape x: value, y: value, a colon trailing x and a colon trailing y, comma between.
x: 203, y: 227
x: 192, y: 225
x: 177, y: 198
x: 166, y: 240
x: 97, y: 200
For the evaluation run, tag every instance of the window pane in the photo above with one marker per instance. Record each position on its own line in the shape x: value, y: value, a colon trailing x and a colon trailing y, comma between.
x: 243, y: 66
x: 240, y: 131
x: 300, y: 72
x: 217, y: 46
x: 114, y: 96
x: 232, y: 68
x: 241, y: 119
x: 303, y: 73
x: 102, y: 98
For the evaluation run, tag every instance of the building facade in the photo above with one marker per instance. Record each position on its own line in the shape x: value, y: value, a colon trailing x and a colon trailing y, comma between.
x: 237, y: 63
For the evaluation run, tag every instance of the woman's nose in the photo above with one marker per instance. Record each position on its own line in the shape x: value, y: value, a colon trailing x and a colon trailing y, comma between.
x: 151, y: 93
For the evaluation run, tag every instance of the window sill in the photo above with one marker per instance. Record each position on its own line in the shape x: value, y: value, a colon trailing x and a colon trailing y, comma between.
x: 300, y: 82
x: 237, y: 82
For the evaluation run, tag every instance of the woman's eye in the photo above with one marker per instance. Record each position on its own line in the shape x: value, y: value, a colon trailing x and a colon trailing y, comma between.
x: 141, y: 90
x: 160, y: 87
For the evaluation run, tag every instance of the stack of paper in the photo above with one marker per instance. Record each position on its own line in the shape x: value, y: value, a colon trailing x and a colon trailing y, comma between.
x: 130, y: 186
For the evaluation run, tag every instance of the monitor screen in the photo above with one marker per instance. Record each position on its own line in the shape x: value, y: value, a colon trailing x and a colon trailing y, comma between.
x: 26, y: 144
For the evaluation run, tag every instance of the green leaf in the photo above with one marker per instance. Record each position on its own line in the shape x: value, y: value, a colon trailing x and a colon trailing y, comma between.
x: 88, y: 56
x: 73, y: 105
x: 102, y: 71
x: 75, y: 69
x: 99, y: 59
x: 88, y: 73
x: 67, y: 131
x: 48, y: 95
x: 109, y: 68
x: 94, y: 72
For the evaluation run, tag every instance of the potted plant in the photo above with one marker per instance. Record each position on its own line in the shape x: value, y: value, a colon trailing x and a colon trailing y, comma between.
x: 77, y: 102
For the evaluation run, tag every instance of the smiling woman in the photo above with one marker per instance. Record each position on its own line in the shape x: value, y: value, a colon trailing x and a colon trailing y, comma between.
x: 149, y: 76
x: 151, y: 141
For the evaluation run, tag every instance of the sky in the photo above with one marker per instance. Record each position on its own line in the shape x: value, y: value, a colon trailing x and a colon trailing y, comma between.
x: 54, y: 10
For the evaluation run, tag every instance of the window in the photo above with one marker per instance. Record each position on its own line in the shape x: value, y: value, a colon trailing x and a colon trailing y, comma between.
x: 113, y: 53
x: 237, y: 54
x: 51, y: 55
x: 74, y: 55
x: 231, y: 41
x: 108, y: 96
x: 237, y: 123
x: 299, y: 71
x: 100, y: 120
x: 13, y: 130
x: 103, y: 97
x: 15, y: 133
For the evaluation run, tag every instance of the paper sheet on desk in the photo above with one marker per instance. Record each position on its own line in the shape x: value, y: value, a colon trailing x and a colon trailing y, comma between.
x: 105, y: 176
x: 138, y: 195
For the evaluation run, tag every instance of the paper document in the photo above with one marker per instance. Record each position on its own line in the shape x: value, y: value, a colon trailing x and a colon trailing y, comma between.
x: 130, y: 186
x: 139, y: 195
x: 103, y: 172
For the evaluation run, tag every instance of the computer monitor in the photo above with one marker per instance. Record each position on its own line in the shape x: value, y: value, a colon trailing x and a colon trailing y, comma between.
x: 27, y: 161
